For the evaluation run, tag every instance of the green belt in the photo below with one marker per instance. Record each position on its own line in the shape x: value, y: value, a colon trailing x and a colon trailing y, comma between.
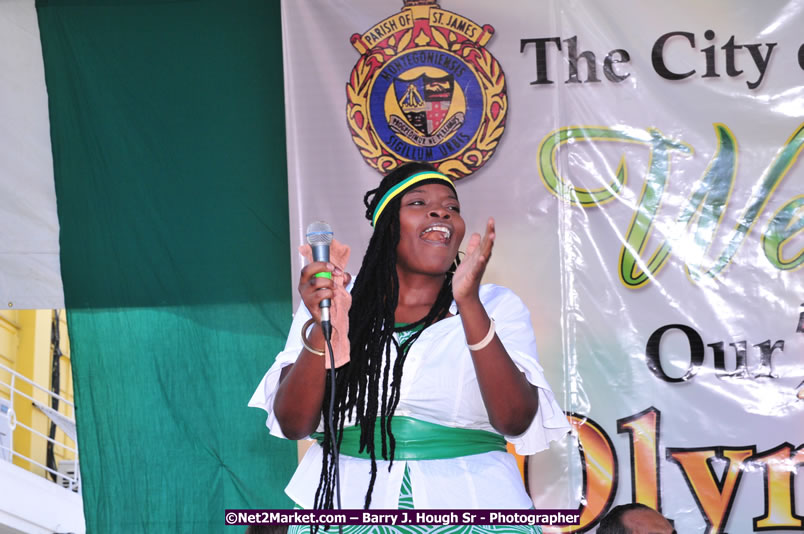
x: 420, y: 440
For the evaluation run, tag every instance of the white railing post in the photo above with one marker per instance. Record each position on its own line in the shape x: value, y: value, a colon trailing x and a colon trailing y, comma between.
x: 14, y: 424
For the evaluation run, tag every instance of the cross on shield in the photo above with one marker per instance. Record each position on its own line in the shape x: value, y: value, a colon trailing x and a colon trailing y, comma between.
x: 425, y: 100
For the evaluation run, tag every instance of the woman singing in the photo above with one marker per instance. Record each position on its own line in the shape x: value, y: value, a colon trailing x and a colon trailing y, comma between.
x: 440, y: 373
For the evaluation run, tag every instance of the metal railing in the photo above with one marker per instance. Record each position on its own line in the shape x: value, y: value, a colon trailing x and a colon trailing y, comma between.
x: 71, y: 482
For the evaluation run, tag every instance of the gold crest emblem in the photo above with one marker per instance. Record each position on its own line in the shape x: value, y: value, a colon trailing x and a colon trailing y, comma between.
x: 426, y: 89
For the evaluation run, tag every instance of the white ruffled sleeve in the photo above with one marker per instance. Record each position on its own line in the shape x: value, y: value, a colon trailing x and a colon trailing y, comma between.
x: 514, y: 328
x: 264, y: 395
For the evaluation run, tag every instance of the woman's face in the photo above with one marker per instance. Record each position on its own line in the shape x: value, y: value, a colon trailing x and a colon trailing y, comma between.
x: 431, y: 229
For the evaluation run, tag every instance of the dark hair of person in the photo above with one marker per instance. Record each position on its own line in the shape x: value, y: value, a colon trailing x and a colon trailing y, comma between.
x: 266, y: 529
x: 613, y: 522
x: 362, y: 387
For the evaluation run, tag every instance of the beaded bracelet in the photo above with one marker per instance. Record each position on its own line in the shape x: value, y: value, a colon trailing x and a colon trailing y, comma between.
x: 485, y: 341
x: 306, y: 342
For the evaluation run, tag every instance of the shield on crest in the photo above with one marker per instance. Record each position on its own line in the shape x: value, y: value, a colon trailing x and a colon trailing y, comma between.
x: 425, y: 100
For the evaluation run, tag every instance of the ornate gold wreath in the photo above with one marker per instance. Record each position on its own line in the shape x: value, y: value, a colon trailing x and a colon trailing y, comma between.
x: 489, y: 73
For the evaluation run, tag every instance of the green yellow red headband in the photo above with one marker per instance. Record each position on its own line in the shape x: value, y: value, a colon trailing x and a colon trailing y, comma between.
x: 404, y: 185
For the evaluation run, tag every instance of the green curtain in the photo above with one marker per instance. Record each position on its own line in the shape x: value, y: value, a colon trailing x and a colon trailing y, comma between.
x: 167, y: 127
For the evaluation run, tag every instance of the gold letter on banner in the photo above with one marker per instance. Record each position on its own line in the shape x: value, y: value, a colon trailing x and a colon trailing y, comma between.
x: 643, y: 429
x: 714, y: 497
x: 599, y: 472
x: 780, y: 465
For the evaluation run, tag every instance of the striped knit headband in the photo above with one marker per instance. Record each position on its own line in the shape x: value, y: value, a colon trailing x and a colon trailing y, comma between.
x: 404, y: 185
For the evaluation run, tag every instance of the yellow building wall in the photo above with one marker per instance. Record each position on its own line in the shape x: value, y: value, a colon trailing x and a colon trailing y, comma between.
x: 25, y: 347
x: 9, y: 341
x: 65, y: 390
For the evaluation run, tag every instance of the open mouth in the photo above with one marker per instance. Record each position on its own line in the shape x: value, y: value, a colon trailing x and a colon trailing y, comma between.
x: 436, y: 234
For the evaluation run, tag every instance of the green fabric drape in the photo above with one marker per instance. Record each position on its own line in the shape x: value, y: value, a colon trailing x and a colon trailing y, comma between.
x: 167, y: 128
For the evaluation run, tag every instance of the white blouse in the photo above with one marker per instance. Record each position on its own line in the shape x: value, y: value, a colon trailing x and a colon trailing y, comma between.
x: 438, y: 385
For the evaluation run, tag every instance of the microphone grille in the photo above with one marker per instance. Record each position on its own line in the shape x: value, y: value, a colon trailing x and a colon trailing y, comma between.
x: 319, y: 233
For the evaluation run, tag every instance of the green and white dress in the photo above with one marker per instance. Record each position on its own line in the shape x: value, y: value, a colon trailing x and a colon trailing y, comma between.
x: 438, y: 387
x: 406, y: 503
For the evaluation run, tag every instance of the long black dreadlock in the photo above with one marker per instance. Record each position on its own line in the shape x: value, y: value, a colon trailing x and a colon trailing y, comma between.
x: 375, y: 296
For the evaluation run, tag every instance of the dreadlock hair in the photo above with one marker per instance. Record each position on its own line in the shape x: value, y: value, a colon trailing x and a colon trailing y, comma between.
x: 362, y: 386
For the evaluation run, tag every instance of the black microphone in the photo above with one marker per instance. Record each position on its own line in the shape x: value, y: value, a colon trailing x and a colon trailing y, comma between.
x: 319, y: 237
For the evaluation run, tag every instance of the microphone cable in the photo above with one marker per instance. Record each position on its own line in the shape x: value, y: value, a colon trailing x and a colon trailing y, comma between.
x: 330, y: 418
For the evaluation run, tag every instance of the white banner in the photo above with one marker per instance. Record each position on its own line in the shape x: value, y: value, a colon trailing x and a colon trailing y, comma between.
x: 641, y: 161
x: 29, y: 243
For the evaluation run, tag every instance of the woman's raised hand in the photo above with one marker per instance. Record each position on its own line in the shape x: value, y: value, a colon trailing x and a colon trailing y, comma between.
x: 466, y: 280
x: 313, y: 289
